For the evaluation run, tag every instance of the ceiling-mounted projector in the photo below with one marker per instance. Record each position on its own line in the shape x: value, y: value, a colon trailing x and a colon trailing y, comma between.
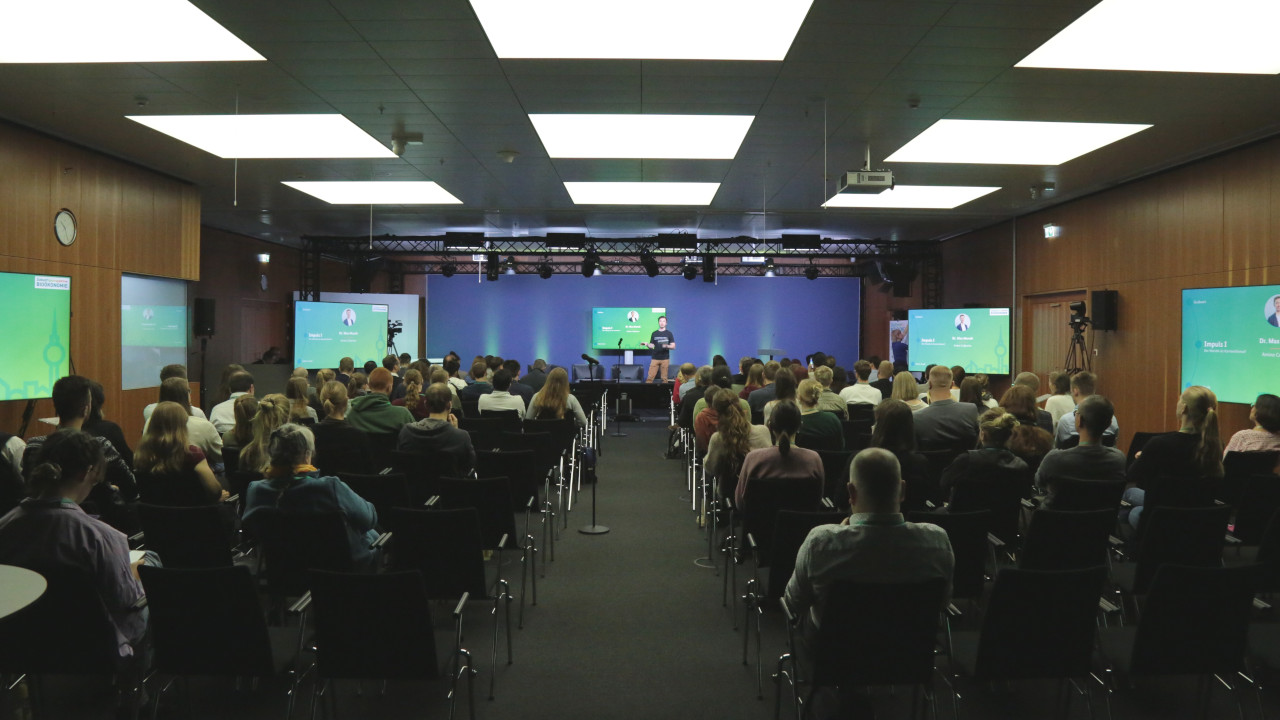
x: 866, y: 182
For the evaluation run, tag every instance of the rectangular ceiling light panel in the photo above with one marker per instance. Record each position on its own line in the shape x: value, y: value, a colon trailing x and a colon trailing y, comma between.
x: 1010, y: 142
x: 94, y: 31
x: 1224, y: 36
x: 380, y: 192
x: 652, y: 30
x: 931, y: 197
x: 270, y: 136
x: 688, y: 137
x: 641, y: 193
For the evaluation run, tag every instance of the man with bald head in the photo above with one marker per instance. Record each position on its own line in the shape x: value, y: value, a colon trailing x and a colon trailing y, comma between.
x: 874, y: 544
x: 946, y: 423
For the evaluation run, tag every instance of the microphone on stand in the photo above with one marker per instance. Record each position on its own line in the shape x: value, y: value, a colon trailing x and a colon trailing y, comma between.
x: 619, y: 343
x: 590, y: 360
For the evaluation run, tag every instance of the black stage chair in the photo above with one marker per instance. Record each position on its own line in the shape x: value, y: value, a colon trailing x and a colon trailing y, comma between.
x: 293, y: 543
x: 999, y: 490
x: 835, y: 466
x: 381, y: 445
x: 1257, y: 503
x: 188, y: 537
x: 968, y: 535
x: 1075, y: 494
x: 384, y: 491
x: 1239, y: 467
x: 1066, y: 539
x: 1172, y: 536
x: 422, y: 471
x: 1138, y: 442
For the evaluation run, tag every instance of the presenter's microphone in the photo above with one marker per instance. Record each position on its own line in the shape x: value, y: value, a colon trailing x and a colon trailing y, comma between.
x: 590, y: 360
x: 619, y: 343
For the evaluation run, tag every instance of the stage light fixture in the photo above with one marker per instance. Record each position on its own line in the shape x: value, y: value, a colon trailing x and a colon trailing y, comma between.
x: 690, y: 272
x: 492, y: 267
x: 544, y: 270
x: 768, y: 267
x: 811, y: 272
x: 649, y: 263
x: 590, y: 263
x: 709, y: 268
x: 511, y: 265
x: 448, y: 269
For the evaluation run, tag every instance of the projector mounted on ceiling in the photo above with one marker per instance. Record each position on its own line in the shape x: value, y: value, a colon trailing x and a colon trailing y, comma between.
x: 866, y: 182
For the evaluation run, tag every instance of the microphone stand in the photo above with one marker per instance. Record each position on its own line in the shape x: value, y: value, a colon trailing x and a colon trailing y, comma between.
x: 617, y: 366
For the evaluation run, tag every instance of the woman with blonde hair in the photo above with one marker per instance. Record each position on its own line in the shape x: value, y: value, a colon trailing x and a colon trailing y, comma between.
x: 906, y: 389
x: 755, y: 380
x: 273, y: 411
x: 340, y: 446
x: 412, y: 400
x: 819, y: 429
x: 996, y: 428
x: 170, y: 470
x: 358, y: 386
x: 244, y: 408
x: 440, y: 375
x: 200, y: 431
x: 299, y: 409
x: 1193, y: 452
x: 554, y: 400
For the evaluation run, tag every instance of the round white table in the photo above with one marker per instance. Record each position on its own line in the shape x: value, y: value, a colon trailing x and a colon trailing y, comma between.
x: 19, y: 588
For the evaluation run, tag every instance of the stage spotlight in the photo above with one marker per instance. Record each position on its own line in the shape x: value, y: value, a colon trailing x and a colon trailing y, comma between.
x: 709, y: 268
x: 511, y: 265
x: 768, y: 267
x: 448, y: 269
x: 590, y: 262
x: 492, y: 266
x: 690, y: 272
x: 649, y: 263
x: 811, y: 272
x: 544, y: 270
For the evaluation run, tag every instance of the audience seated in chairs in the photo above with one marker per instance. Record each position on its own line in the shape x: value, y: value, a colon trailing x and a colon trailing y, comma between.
x: 166, y: 372
x: 1061, y: 401
x: 707, y: 420
x: 1030, y: 440
x: 895, y: 432
x: 683, y: 377
x: 1264, y: 436
x: 784, y: 459
x: 202, y: 433
x: 501, y: 399
x: 340, y: 446
x: 1083, y: 384
x: 1031, y: 381
x: 819, y: 429
x: 438, y: 433
x: 49, y: 532
x: 294, y: 485
x: 827, y: 400
x: 784, y: 390
x: 478, y: 383
x: 522, y: 390
x: 862, y: 391
x: 753, y: 382
x: 971, y: 392
x: 244, y: 407
x: 374, y: 413
x: 735, y: 436
x: 412, y: 399
x: 1090, y: 460
x: 300, y: 411
x: 759, y: 398
x: 906, y: 389
x: 273, y: 411
x: 946, y: 423
x: 170, y: 470
x: 1193, y: 452
x: 222, y: 415
x: 689, y: 397
x: 554, y: 400
x: 358, y: 386
x: 992, y: 455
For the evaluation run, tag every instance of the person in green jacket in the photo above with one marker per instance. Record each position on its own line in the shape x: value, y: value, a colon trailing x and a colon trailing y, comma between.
x: 374, y: 413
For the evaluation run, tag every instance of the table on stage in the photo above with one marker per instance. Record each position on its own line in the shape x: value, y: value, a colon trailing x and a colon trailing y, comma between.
x: 19, y: 588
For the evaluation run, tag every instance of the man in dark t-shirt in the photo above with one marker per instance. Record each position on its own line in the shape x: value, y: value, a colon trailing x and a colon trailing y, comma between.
x: 662, y: 342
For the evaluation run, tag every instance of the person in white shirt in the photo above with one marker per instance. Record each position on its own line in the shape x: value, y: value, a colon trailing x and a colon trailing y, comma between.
x: 1082, y: 386
x: 166, y: 372
x: 223, y: 415
x: 501, y: 397
x: 862, y: 391
x: 1060, y: 402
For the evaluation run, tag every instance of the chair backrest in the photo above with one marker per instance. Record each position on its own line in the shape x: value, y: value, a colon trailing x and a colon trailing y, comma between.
x: 384, y: 491
x: 380, y: 446
x: 1257, y: 503
x: 936, y: 461
x: 1269, y: 555
x: 491, y: 498
x: 563, y: 431
x: 444, y: 545
x: 1138, y: 442
x: 999, y: 490
x: 765, y: 497
x: 814, y: 441
x: 878, y: 634
x: 543, y: 445
x: 238, y: 481
x: 295, y: 542
x: 1066, y: 539
x: 835, y: 466
x: 789, y: 533
x: 1077, y: 494
x: 66, y: 632
x: 757, y: 417
x: 1040, y: 624
x: 508, y: 414
x: 230, y: 458
x: 188, y: 537
x: 1177, y: 491
x: 423, y: 470
x: 206, y: 622
x: 1179, y: 536
x: 862, y: 414
x: 1239, y: 467
x: 519, y: 467
x: 1195, y: 621
x: 470, y: 408
x: 968, y: 535
x: 373, y: 626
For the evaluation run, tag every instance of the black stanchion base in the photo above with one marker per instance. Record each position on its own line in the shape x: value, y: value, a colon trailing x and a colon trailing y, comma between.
x: 593, y: 529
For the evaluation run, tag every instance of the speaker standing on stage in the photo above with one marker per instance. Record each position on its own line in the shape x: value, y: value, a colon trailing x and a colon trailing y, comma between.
x: 662, y: 342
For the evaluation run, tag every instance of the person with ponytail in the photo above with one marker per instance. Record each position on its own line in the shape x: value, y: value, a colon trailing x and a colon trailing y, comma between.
x: 340, y: 446
x: 784, y: 459
x: 293, y: 484
x: 734, y: 437
x: 300, y: 411
x: 170, y: 470
x: 412, y: 400
x: 245, y: 407
x: 995, y: 429
x: 273, y: 411
x: 1194, y: 451
x: 50, y: 533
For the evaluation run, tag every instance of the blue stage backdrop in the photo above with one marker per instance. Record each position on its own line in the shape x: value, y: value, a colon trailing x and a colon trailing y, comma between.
x: 525, y: 317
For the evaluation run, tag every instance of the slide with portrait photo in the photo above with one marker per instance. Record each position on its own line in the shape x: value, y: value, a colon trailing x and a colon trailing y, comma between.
x: 632, y: 325
x: 1231, y: 341
x: 976, y: 339
x: 326, y: 332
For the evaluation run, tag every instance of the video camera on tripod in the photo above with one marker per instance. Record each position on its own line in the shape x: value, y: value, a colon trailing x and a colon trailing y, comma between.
x: 394, y: 328
x: 1077, y: 354
x: 1079, y: 321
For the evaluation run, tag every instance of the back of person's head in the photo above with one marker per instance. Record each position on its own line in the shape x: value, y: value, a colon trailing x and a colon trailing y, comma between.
x: 688, y: 370
x: 273, y: 411
x: 71, y: 397
x: 164, y: 444
x: 244, y: 408
x: 971, y: 391
x: 808, y: 392
x: 422, y: 366
x: 1029, y: 380
x: 823, y: 375
x: 333, y: 395
x: 299, y: 372
x: 771, y: 369
x: 438, y: 398
x: 346, y: 365
x: 839, y: 376
x: 494, y: 362
x: 358, y: 384
x: 785, y: 382
x: 240, y: 382
x: 391, y: 362
x: 381, y: 381
x: 513, y: 367
x: 553, y: 399
x: 540, y: 365
x: 905, y: 387
x: 784, y: 422
x: 172, y: 371
x: 713, y: 392
x: 721, y: 401
x: 1060, y: 382
x: 886, y: 370
x: 745, y: 363
x: 291, y: 445
x: 479, y: 369
x: 412, y: 388
x: 818, y: 358
x: 876, y: 476
x: 957, y: 374
x: 1021, y: 401
x: 452, y: 365
x: 369, y: 367
x: 1200, y: 407
x: 719, y: 361
x: 176, y: 390
x: 755, y: 375
x: 862, y: 369
x: 502, y: 380
x: 895, y: 428
x: 296, y: 389
x: 1094, y: 414
x: 997, y: 426
x: 722, y: 376
x: 405, y: 358
x: 940, y: 378
x: 97, y: 398
x: 438, y: 375
x: 703, y: 377
x: 1084, y: 383
x: 61, y: 462
x: 1266, y: 412
x: 325, y: 375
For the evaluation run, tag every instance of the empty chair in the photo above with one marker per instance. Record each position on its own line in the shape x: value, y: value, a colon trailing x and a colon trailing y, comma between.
x: 1173, y: 536
x: 968, y: 535
x: 422, y: 471
x: 188, y: 537
x: 1257, y: 503
x: 1066, y: 539
x: 835, y: 466
x: 1238, y: 467
x: 999, y: 490
x: 385, y: 491
x: 294, y: 543
x: 380, y: 447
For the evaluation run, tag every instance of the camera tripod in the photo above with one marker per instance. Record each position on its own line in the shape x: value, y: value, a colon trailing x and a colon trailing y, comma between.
x: 1077, y: 355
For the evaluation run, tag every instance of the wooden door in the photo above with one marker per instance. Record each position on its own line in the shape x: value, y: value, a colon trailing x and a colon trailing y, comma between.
x: 1046, y: 333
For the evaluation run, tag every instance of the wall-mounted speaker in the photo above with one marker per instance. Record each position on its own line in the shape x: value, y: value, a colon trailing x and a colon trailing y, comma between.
x: 203, y: 324
x: 1105, y: 316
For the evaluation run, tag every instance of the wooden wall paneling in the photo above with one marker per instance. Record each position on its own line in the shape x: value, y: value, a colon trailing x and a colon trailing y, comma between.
x: 189, y: 233
x: 24, y: 188
x: 1201, y: 246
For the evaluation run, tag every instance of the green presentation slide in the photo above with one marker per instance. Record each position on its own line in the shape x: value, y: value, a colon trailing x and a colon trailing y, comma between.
x: 631, y: 325
x: 1231, y: 341
x: 326, y: 332
x: 976, y: 339
x: 153, y: 325
x: 37, y: 339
